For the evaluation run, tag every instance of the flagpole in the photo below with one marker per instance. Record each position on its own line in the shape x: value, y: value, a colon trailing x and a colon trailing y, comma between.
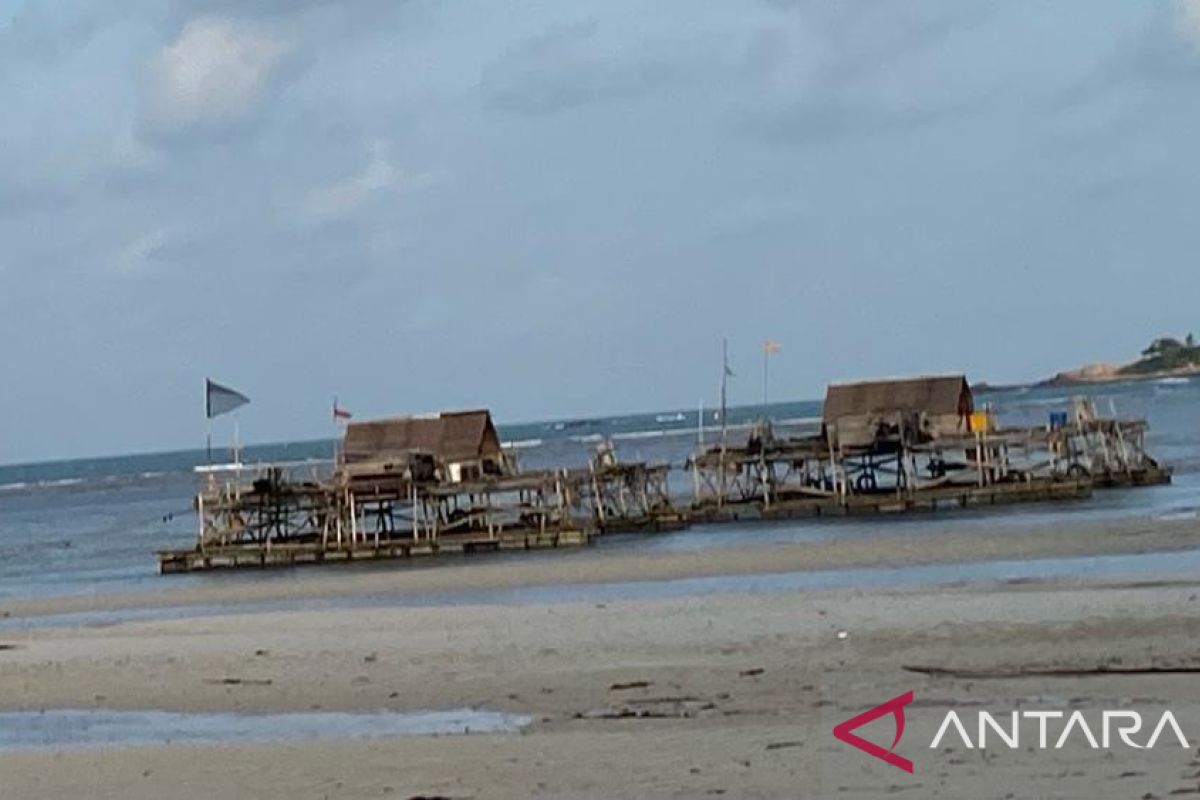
x: 769, y: 347
x: 766, y: 362
x: 208, y: 418
x: 341, y: 419
x: 724, y: 426
x: 724, y: 383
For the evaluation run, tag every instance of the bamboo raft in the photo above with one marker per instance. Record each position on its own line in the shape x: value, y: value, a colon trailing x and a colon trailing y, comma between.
x: 423, y: 487
x: 296, y: 554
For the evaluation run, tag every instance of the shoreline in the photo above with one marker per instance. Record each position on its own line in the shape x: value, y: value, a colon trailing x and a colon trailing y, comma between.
x: 1081, y: 376
x: 887, y: 549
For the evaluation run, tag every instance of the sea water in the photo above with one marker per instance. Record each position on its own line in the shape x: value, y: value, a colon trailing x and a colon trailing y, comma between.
x: 84, y: 728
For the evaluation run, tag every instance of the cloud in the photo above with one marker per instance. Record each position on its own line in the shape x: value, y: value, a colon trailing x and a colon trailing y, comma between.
x: 1187, y: 20
x: 833, y: 72
x: 596, y: 167
x: 827, y: 117
x: 44, y: 33
x: 347, y: 196
x: 569, y: 66
x: 1163, y: 54
x: 214, y: 73
x: 137, y: 256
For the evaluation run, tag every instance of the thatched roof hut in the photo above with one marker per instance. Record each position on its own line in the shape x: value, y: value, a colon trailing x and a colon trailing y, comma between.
x: 865, y: 412
x: 465, y: 442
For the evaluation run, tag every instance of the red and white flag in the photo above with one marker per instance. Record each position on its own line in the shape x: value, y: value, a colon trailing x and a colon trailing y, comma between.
x: 340, y: 413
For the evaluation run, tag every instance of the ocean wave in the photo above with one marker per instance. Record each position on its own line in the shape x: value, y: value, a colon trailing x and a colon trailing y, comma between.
x: 1178, y: 514
x: 798, y: 421
x: 1039, y: 402
x: 63, y: 482
x: 86, y: 483
x: 657, y: 434
x: 521, y: 444
x: 56, y: 483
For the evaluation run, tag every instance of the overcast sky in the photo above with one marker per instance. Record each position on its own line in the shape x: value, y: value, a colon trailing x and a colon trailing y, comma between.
x: 557, y: 209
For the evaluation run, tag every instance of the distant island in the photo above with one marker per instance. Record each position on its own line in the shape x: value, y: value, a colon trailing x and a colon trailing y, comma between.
x: 1166, y: 357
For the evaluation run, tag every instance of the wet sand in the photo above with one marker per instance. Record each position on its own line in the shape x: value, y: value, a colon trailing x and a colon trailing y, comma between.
x: 711, y: 696
x: 892, y: 547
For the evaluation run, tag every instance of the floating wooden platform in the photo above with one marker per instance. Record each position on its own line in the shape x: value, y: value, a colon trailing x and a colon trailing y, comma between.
x: 409, y: 502
x: 291, y: 554
x: 294, y: 554
x: 927, y: 500
x: 1149, y: 475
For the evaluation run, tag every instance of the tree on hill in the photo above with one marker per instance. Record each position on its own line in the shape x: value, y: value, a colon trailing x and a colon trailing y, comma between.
x: 1167, y: 353
x: 1162, y: 346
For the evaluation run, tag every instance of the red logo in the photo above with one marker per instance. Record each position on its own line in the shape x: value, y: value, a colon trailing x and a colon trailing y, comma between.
x: 895, y: 707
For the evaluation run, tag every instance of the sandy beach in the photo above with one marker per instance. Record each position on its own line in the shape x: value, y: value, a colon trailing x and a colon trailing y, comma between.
x: 723, y: 695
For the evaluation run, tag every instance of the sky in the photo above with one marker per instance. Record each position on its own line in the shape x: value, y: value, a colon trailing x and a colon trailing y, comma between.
x: 559, y: 209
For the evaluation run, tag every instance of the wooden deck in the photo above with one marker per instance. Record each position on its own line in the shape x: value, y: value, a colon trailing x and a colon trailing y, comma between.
x: 292, y: 554
x: 1148, y: 476
x: 885, y: 503
x: 305, y: 553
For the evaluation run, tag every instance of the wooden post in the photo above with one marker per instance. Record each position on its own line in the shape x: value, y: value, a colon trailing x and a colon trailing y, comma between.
x: 200, y: 516
x: 979, y: 459
x: 829, y: 441
x: 724, y: 423
x: 325, y: 523
x: 1125, y: 459
x: 766, y: 483
x: 488, y: 516
x: 340, y: 522
x: 558, y: 490
x: 841, y: 476
x: 597, y: 498
x: 696, y: 480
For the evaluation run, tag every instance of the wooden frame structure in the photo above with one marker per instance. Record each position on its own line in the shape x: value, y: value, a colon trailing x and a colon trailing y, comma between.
x: 387, y: 501
x: 903, y: 469
x: 402, y: 506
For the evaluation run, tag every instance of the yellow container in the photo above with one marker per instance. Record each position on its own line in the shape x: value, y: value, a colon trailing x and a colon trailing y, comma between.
x: 981, y: 422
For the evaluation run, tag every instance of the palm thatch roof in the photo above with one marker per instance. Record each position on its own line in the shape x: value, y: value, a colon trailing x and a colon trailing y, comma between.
x: 935, y: 395
x: 449, y: 436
